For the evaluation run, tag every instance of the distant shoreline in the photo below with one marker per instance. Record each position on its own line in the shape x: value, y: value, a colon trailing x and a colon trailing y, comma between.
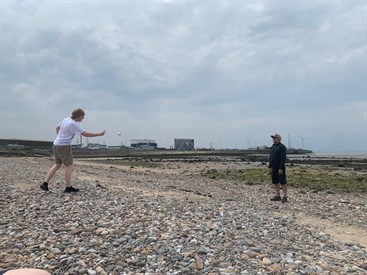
x: 341, y: 154
x: 247, y: 154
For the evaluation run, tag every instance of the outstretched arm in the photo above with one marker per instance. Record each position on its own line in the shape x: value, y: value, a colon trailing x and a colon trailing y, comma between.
x: 90, y: 134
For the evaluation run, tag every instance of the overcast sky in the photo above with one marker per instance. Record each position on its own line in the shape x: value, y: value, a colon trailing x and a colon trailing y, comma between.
x: 227, y: 74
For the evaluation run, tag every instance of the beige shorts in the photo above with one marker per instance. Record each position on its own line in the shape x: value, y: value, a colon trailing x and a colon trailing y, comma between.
x: 63, y: 154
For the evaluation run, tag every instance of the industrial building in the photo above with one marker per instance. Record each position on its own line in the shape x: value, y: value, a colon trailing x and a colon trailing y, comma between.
x: 184, y: 144
x: 143, y: 144
x: 21, y: 143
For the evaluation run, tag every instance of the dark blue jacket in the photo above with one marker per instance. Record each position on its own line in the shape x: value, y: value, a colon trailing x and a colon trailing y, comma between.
x: 278, y: 155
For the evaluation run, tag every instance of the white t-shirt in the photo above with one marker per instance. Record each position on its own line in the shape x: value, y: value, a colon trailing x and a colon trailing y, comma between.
x: 68, y: 129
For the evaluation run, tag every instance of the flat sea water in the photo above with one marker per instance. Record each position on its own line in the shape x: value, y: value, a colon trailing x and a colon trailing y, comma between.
x: 330, y: 155
x: 359, y: 155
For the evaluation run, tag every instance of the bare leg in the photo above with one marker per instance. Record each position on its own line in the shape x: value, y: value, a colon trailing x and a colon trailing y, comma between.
x: 285, y: 189
x: 68, y: 171
x: 277, y: 188
x: 52, y: 172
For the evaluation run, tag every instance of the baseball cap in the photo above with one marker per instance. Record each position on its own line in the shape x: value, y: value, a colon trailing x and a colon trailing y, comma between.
x: 276, y: 136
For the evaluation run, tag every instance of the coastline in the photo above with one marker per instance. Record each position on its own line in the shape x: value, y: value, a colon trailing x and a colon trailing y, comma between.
x: 359, y: 155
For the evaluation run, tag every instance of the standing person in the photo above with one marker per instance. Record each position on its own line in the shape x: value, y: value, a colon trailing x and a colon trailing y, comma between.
x: 65, y: 131
x: 278, y: 154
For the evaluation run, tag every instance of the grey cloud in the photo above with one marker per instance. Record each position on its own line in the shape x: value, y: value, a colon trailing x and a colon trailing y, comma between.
x: 204, y: 64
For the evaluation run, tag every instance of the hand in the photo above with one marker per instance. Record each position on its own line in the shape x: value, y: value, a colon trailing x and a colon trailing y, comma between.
x: 270, y: 170
x: 280, y: 172
x: 103, y: 132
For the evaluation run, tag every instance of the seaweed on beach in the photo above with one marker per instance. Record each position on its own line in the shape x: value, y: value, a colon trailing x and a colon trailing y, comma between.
x: 311, y: 177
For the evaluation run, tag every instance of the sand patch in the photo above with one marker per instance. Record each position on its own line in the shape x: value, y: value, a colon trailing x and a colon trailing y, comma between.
x: 344, y: 233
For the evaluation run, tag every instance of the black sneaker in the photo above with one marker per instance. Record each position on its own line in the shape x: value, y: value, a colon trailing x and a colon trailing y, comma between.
x: 71, y: 190
x: 276, y: 198
x: 285, y: 199
x: 44, y: 186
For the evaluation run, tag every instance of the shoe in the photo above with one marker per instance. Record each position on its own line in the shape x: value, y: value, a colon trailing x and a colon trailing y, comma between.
x: 285, y: 199
x: 276, y: 198
x: 44, y: 186
x: 71, y: 190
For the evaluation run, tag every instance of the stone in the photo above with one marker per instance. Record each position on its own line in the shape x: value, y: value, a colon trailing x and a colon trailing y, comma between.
x: 163, y: 221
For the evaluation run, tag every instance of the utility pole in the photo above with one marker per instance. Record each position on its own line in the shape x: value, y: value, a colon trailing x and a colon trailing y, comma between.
x: 289, y: 141
x: 119, y: 134
x: 302, y: 141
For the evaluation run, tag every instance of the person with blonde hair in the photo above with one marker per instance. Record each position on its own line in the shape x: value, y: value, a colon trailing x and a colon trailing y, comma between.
x: 66, y: 130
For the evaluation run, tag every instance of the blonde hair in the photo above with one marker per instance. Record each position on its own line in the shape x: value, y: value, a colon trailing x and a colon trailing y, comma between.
x: 77, y: 113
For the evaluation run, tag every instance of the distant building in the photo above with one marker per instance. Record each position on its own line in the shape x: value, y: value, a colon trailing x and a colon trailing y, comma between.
x: 93, y: 146
x: 184, y: 144
x: 118, y: 147
x: 143, y: 144
x: 22, y: 143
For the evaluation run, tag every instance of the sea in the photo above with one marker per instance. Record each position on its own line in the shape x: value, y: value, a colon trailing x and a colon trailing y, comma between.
x: 358, y: 155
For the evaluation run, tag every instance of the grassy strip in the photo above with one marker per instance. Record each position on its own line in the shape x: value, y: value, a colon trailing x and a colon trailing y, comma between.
x: 320, y: 179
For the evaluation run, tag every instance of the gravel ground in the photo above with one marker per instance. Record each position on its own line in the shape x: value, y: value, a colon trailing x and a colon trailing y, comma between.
x: 131, y: 220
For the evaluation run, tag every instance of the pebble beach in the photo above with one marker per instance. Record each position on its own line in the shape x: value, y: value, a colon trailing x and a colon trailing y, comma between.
x: 166, y: 220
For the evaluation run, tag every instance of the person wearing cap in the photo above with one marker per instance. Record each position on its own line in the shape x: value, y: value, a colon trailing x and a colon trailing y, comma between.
x: 278, y: 154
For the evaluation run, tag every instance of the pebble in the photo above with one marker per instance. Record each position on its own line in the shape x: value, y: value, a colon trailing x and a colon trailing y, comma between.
x: 144, y: 222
